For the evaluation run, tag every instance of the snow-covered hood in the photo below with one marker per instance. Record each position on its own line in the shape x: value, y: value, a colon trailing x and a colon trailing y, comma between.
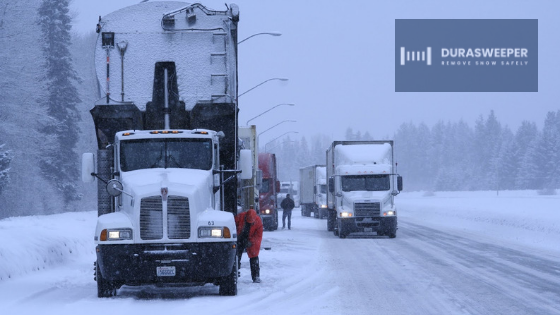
x: 181, y: 182
x: 366, y: 196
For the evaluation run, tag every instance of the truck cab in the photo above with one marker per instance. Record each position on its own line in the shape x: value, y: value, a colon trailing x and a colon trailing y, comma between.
x: 168, y: 159
x: 268, y: 202
x: 362, y: 188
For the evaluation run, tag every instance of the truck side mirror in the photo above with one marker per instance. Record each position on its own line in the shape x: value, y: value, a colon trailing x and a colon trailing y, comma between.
x: 88, y: 167
x: 114, y: 188
x: 331, y: 184
x: 399, y: 183
x: 245, y: 164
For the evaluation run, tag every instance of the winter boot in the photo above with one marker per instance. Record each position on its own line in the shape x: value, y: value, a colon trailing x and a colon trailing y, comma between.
x: 255, y: 269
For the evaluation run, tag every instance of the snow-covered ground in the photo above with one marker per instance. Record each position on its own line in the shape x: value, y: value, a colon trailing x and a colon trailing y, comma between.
x: 517, y: 218
x: 46, y: 263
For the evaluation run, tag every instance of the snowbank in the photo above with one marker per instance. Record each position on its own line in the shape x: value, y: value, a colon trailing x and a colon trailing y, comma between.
x: 34, y: 243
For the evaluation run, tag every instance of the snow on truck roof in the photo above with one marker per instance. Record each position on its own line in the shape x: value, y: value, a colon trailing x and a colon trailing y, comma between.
x: 198, y: 40
x: 363, y: 154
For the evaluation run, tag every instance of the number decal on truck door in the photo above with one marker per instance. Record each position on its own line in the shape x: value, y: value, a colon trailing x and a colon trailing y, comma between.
x: 210, y: 222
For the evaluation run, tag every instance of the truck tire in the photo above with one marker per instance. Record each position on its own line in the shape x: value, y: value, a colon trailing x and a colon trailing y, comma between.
x: 331, y: 219
x: 228, y: 285
x: 392, y: 233
x: 341, y: 231
x: 105, y: 288
x: 302, y: 210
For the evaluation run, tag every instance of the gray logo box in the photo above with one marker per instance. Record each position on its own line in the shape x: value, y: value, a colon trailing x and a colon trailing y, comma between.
x: 466, y: 55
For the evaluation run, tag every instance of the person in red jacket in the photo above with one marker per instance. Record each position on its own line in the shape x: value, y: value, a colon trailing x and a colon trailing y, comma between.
x: 249, y: 237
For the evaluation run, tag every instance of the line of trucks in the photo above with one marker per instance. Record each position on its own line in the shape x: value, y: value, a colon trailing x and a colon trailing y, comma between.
x: 173, y: 166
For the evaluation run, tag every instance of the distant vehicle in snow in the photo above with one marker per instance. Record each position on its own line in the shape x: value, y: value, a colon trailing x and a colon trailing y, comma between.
x: 270, y: 185
x: 313, y: 190
x: 362, y: 185
x: 289, y: 187
x: 248, y: 190
x: 167, y: 165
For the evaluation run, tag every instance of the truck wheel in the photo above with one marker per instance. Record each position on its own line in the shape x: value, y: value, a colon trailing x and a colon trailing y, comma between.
x: 331, y: 217
x: 228, y: 286
x: 302, y: 210
x: 341, y: 231
x: 392, y: 233
x: 104, y: 288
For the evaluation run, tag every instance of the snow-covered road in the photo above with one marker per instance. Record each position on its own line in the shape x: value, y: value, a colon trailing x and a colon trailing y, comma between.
x: 467, y: 261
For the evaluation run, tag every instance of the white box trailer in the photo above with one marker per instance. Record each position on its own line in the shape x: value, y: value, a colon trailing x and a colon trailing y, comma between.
x: 362, y: 188
x: 313, y: 191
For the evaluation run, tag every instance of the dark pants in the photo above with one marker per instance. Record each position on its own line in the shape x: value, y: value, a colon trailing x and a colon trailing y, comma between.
x: 287, y: 213
x: 253, y: 262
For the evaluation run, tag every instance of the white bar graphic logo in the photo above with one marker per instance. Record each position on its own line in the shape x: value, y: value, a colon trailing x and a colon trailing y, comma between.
x: 417, y: 56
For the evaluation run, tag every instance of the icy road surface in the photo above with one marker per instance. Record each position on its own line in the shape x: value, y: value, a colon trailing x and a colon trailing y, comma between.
x: 455, y: 253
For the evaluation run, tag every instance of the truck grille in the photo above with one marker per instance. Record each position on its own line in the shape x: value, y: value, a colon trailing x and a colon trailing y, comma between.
x: 178, y: 217
x: 151, y: 218
x: 372, y: 209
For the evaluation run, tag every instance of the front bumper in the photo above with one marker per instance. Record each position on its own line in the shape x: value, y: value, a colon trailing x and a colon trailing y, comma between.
x: 375, y: 224
x: 136, y: 264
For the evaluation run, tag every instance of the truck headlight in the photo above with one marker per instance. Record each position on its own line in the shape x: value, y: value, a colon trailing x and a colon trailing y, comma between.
x: 115, y: 235
x: 213, y: 232
x: 345, y: 214
x: 324, y: 206
x: 389, y: 213
x: 266, y: 211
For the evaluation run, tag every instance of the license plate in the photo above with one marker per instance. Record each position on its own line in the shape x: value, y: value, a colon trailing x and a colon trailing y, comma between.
x: 166, y: 271
x: 368, y: 229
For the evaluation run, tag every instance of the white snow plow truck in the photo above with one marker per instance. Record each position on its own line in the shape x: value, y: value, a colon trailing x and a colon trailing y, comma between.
x: 168, y: 160
x: 362, y: 188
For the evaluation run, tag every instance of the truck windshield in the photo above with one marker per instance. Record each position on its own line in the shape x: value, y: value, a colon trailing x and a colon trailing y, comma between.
x: 265, y: 186
x: 365, y: 182
x: 166, y: 153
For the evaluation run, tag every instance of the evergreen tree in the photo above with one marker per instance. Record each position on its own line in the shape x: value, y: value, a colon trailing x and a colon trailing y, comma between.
x: 547, y: 153
x: 507, y: 162
x: 60, y: 163
x: 522, y: 148
x: 350, y: 136
x: 5, y: 160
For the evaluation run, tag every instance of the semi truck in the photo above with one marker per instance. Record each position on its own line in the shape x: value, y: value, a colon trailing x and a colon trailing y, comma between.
x: 313, y: 191
x: 268, y: 202
x: 168, y: 160
x: 362, y: 185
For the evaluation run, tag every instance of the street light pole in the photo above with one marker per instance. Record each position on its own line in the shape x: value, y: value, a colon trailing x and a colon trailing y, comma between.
x: 247, y: 124
x: 273, y: 127
x: 256, y: 86
x: 277, y: 138
x: 265, y: 33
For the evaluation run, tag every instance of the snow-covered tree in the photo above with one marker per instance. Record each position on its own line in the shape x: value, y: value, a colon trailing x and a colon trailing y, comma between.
x: 5, y: 160
x: 522, y: 151
x: 548, y: 153
x: 60, y: 162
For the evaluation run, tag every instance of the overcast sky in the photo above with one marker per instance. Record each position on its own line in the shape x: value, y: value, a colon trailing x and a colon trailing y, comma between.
x: 339, y: 59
